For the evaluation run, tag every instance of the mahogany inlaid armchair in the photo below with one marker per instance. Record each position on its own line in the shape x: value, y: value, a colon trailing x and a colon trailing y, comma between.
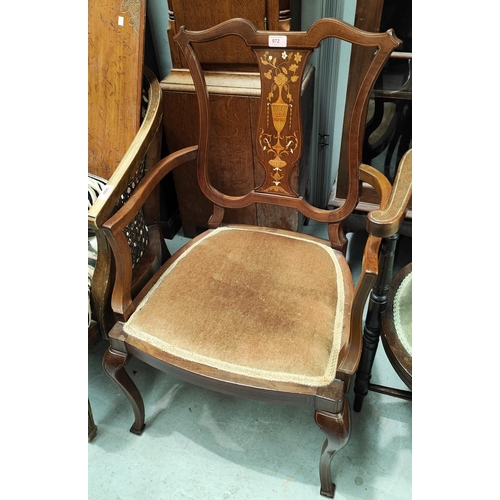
x: 260, y: 312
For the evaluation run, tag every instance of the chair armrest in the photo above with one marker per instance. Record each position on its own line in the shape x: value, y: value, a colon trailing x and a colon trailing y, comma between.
x: 131, y: 207
x: 113, y: 228
x: 391, y: 197
x: 364, y: 285
x: 378, y: 181
x: 387, y: 220
x: 128, y: 166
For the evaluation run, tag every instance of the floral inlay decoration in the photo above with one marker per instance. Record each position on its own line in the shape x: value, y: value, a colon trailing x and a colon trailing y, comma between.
x: 284, y: 71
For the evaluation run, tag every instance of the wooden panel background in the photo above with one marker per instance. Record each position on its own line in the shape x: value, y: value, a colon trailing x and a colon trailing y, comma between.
x: 115, y: 57
x: 231, y: 53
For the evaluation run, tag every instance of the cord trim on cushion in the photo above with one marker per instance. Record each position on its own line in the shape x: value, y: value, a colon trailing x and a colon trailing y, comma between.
x: 241, y: 369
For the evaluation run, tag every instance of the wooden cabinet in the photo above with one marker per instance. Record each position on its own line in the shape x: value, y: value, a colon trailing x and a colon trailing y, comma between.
x: 234, y: 170
x: 115, y: 57
x: 231, y: 53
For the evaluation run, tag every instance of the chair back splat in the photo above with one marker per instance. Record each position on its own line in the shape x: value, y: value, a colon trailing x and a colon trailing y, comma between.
x: 279, y: 136
x: 251, y: 310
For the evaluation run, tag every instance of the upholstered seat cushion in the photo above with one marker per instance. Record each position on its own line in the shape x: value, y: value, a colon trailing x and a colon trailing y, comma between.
x: 254, y: 302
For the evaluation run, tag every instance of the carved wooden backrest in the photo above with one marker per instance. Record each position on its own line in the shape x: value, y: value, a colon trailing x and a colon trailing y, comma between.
x: 281, y: 60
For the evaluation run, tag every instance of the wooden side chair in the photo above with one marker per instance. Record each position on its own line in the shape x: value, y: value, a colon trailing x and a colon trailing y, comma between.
x: 259, y: 312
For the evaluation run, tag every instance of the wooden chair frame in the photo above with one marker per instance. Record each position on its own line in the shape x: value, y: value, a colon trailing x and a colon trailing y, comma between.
x: 329, y: 402
x: 145, y: 146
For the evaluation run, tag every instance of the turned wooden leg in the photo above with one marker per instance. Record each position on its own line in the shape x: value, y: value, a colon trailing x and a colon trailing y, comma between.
x: 371, y: 331
x: 113, y: 364
x: 336, y: 428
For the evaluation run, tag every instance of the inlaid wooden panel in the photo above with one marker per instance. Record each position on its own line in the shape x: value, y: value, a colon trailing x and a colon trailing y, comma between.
x: 234, y: 168
x: 115, y: 57
x: 279, y: 142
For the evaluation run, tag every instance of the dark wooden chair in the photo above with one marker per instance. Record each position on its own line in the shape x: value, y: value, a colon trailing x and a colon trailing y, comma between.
x: 106, y: 196
x: 388, y: 318
x: 260, y: 312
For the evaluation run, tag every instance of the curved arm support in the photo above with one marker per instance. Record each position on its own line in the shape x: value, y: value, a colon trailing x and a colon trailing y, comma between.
x: 386, y: 221
x: 121, y: 300
x: 393, y: 202
x: 129, y: 210
x: 364, y: 285
x: 378, y: 181
x: 368, y: 274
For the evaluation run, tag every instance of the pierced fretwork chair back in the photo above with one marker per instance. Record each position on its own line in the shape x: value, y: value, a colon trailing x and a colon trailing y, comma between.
x: 105, y: 197
x: 282, y: 59
x: 108, y: 195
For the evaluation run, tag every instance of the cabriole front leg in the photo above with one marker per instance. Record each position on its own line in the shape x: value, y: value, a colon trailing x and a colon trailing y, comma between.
x: 336, y: 427
x: 113, y: 364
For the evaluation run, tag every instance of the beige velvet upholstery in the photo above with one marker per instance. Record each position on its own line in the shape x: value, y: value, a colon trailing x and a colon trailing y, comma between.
x: 250, y: 291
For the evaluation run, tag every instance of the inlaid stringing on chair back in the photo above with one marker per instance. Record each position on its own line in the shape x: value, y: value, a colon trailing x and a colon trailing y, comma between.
x: 282, y: 58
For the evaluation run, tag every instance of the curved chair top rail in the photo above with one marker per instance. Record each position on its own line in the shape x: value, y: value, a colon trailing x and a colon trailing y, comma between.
x: 310, y: 39
x: 301, y: 44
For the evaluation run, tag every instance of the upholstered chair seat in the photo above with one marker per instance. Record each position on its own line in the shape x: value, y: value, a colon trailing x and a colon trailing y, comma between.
x: 251, y: 301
